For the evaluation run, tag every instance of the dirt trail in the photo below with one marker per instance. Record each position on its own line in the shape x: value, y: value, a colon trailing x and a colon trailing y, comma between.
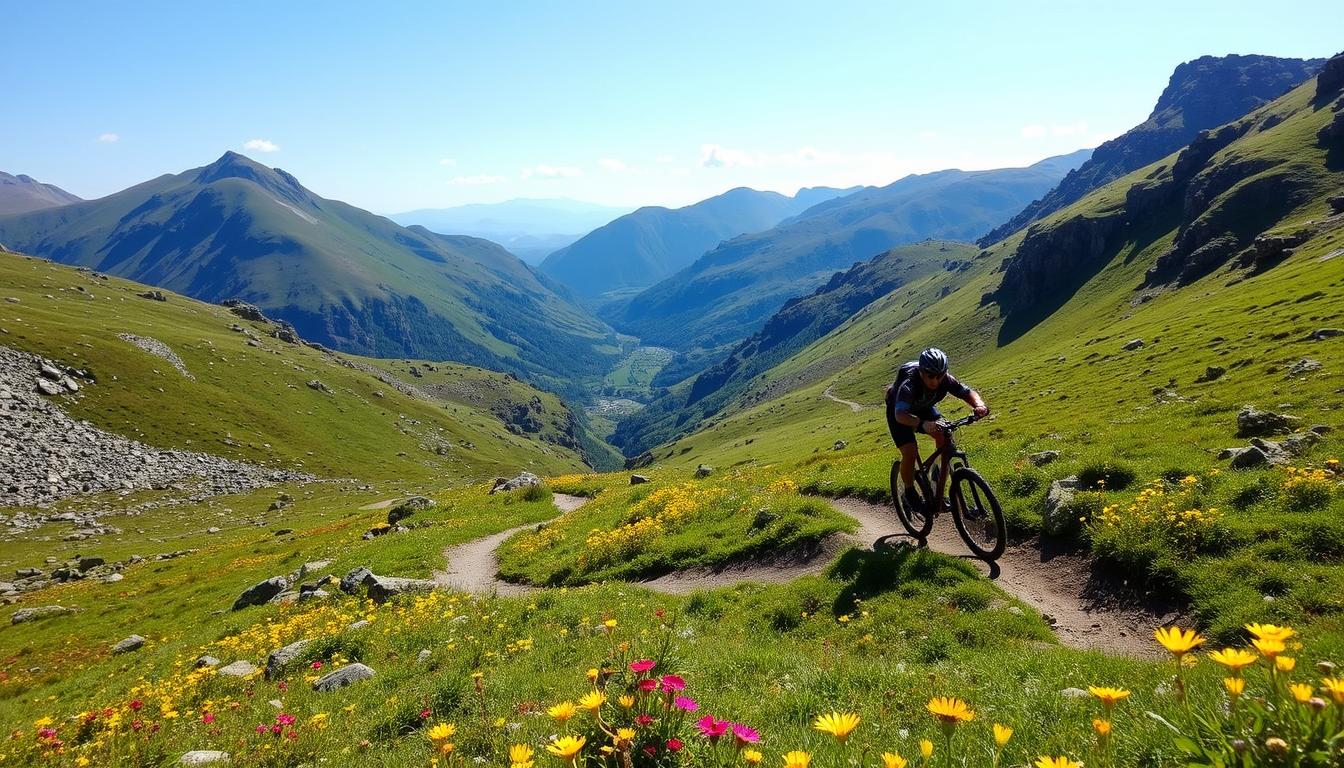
x: 472, y: 566
x: 1058, y: 585
x: 853, y: 406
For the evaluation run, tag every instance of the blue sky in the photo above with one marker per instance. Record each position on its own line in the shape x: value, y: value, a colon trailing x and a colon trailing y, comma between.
x: 433, y: 104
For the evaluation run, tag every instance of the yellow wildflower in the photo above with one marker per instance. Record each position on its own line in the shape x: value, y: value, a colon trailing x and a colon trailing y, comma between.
x: 1335, y: 687
x: 893, y: 760
x: 1002, y: 734
x: 797, y: 759
x: 926, y: 748
x: 1102, y: 727
x: 441, y: 732
x: 752, y: 757
x: 1234, y: 685
x: 1235, y: 659
x: 1284, y: 663
x: 592, y: 701
x: 1270, y: 631
x: 1108, y: 696
x: 838, y: 724
x: 1177, y: 641
x: 1056, y: 762
x: 566, y: 747
x: 1301, y: 691
x: 562, y: 711
x: 949, y: 710
x: 1269, y: 647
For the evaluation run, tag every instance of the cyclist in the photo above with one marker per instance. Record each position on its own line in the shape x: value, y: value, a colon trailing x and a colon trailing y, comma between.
x: 911, y: 408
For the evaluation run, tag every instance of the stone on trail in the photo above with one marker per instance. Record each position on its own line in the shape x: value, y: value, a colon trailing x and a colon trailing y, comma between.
x: 132, y: 643
x: 238, y: 669
x: 383, y: 587
x: 342, y: 677
x: 37, y: 613
x: 204, y: 757
x: 259, y: 594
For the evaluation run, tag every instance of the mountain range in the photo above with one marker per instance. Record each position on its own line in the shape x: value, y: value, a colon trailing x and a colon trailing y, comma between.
x: 729, y: 292
x: 643, y: 247
x: 21, y: 194
x: 1201, y: 94
x: 341, y: 275
x: 530, y: 229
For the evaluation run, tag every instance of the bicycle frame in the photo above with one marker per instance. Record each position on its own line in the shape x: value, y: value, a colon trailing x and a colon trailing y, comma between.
x: 948, y: 454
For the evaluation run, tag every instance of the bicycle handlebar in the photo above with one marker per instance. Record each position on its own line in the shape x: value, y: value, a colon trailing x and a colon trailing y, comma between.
x: 959, y: 423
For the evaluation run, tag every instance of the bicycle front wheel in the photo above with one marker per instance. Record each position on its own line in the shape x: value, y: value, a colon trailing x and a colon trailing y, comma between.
x: 976, y: 512
x: 917, y: 522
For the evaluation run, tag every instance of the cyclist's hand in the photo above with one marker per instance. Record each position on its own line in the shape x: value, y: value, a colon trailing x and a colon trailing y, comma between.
x: 981, y: 411
x: 933, y: 428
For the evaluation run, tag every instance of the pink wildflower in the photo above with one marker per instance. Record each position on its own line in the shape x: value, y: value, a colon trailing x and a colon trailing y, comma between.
x: 744, y: 735
x: 648, y: 685
x: 675, y: 744
x: 685, y: 703
x: 284, y: 719
x: 712, y: 729
x: 672, y: 683
x: 643, y: 720
x: 208, y: 718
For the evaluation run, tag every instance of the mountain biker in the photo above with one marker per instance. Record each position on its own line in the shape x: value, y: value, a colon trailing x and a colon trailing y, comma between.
x: 911, y: 401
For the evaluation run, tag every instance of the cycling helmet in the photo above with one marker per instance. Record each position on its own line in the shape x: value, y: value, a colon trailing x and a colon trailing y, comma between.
x: 933, y: 361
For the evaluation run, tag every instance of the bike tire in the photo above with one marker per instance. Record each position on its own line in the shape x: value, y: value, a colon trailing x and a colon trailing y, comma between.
x: 917, y: 523
x: 982, y: 515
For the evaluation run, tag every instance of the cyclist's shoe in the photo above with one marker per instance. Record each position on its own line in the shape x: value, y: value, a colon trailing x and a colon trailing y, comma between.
x: 913, y: 503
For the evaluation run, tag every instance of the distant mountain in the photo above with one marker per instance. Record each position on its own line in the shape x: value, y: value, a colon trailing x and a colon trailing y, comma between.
x: 529, y: 229
x: 798, y: 323
x: 729, y: 292
x: 343, y: 276
x: 1201, y: 94
x: 21, y: 194
x: 641, y: 248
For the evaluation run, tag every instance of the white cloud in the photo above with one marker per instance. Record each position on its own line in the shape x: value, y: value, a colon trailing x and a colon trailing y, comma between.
x: 448, y: 162
x: 477, y: 180
x: 612, y: 164
x: 1033, y: 131
x: 109, y: 138
x: 719, y: 156
x: 665, y: 160
x: 551, y: 172
x: 261, y: 145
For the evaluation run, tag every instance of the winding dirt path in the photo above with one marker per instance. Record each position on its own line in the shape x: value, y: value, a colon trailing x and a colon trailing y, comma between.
x: 472, y: 566
x: 1059, y: 585
x: 853, y: 406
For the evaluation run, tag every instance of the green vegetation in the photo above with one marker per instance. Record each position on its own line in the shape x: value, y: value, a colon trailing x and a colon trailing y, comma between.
x: 649, y: 530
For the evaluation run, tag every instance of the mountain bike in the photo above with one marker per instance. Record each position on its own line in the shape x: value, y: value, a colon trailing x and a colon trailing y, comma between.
x: 975, y: 509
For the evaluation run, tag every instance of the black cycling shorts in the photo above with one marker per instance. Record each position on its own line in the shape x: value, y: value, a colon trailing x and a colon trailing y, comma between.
x: 902, y: 434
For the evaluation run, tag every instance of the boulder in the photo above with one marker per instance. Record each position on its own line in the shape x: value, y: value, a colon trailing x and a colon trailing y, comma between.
x: 383, y: 587
x: 1212, y: 373
x: 1042, y: 458
x: 638, y: 479
x: 38, y: 613
x: 839, y: 445
x: 132, y: 643
x: 245, y: 310
x: 342, y: 677
x: 207, y: 661
x: 314, y: 594
x: 1256, y: 423
x: 423, y: 656
x: 1304, y: 366
x: 703, y: 471
x: 641, y: 461
x: 204, y: 757
x: 238, y: 669
x: 279, y: 659
x: 1059, y: 518
x: 1132, y: 345
x: 261, y: 593
x: 524, y: 480
x: 1321, y: 334
x: 49, y: 388
x: 86, y: 563
x: 1296, y: 445
x: 352, y: 581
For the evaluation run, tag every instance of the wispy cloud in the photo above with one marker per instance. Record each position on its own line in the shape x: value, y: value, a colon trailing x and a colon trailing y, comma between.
x: 551, y: 172
x: 261, y: 145
x: 109, y: 138
x: 448, y: 162
x: 477, y: 180
x: 612, y: 164
x: 719, y: 156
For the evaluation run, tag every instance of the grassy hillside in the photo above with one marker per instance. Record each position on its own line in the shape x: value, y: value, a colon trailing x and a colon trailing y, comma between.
x: 800, y: 322
x: 342, y: 276
x: 253, y: 403
x: 1064, y: 380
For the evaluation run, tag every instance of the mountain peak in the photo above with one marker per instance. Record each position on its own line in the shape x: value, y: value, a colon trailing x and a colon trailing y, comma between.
x: 232, y: 165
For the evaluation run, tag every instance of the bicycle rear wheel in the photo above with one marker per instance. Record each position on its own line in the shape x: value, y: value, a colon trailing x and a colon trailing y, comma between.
x: 976, y: 512
x: 917, y: 522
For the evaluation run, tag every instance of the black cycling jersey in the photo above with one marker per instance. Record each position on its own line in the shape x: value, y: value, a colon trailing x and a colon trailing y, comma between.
x: 910, y: 394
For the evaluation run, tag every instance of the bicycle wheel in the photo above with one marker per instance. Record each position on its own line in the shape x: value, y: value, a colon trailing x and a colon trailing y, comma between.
x: 976, y: 512
x: 916, y: 521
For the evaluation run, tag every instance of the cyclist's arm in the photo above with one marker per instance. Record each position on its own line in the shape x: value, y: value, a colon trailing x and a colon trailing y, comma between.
x: 970, y: 396
x: 898, y: 408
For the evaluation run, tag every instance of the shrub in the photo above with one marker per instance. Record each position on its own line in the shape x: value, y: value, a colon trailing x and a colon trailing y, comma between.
x: 1306, y: 489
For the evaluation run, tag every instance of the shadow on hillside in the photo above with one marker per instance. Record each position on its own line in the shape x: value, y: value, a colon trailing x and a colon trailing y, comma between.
x: 894, y: 564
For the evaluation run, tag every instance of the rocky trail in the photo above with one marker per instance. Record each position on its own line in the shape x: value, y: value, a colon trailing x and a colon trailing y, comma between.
x: 1083, y: 612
